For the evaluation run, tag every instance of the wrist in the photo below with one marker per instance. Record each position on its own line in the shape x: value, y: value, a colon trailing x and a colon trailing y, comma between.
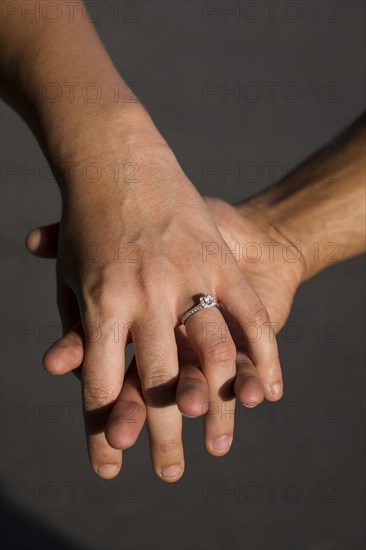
x: 106, y: 147
x: 300, y: 220
x: 263, y: 213
x: 72, y: 133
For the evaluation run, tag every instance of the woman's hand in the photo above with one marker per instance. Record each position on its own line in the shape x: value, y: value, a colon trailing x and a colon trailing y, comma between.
x: 276, y: 279
x: 130, y: 263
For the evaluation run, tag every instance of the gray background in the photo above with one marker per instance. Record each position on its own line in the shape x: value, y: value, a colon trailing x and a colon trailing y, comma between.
x: 297, y: 467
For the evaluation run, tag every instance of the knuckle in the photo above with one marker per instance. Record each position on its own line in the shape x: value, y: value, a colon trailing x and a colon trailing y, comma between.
x: 97, y: 396
x: 221, y: 351
x: 100, y: 298
x: 127, y: 412
x: 159, y: 387
x: 247, y: 378
x: 191, y: 383
x: 167, y: 447
x: 156, y: 376
x: 259, y: 317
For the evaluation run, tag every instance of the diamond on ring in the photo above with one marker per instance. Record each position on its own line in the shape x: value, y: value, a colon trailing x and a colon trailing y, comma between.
x: 206, y: 301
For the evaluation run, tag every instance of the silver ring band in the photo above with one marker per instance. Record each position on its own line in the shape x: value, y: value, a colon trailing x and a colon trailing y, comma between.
x: 206, y: 301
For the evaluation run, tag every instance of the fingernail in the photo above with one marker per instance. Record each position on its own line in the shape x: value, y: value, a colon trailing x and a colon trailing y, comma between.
x: 171, y: 471
x: 276, y: 388
x: 221, y: 443
x: 107, y: 470
x: 250, y: 405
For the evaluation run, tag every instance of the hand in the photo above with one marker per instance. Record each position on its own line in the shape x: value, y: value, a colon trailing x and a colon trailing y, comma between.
x: 161, y: 216
x: 275, y: 276
x: 272, y: 264
x: 192, y: 395
x: 129, y: 265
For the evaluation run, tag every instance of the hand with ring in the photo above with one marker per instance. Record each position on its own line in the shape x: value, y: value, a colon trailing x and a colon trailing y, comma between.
x: 215, y: 355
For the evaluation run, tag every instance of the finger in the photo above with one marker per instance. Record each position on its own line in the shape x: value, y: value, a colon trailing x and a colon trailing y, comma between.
x: 42, y: 241
x: 211, y: 340
x: 129, y: 413
x: 248, y: 386
x: 67, y: 353
x: 157, y: 364
x: 192, y: 390
x: 244, y: 305
x: 102, y: 378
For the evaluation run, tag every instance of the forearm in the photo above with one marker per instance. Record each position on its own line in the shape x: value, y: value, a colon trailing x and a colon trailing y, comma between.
x: 60, y: 78
x: 321, y: 205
